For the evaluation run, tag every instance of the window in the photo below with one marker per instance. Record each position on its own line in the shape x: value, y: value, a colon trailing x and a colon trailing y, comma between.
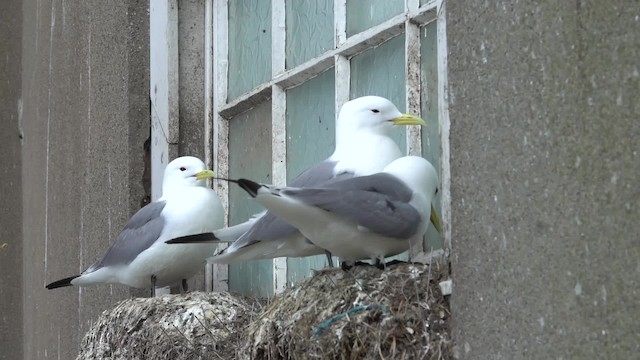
x: 282, y: 70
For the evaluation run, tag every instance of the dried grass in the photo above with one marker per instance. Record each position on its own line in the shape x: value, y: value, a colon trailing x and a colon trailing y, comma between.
x: 365, y: 313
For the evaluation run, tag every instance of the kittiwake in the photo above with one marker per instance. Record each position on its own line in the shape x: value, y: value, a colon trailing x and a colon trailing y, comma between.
x: 366, y: 217
x: 139, y: 256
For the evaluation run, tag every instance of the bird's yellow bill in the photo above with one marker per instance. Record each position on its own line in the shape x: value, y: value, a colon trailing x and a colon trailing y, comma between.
x: 435, y: 219
x: 205, y: 174
x: 408, y: 119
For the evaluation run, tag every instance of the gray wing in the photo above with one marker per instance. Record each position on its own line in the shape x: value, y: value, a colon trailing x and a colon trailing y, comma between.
x: 142, y: 230
x: 378, y: 202
x: 269, y: 227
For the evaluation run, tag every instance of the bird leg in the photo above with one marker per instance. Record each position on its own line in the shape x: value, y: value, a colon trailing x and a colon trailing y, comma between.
x: 380, y: 264
x: 153, y: 286
x: 329, y: 258
x: 185, y: 286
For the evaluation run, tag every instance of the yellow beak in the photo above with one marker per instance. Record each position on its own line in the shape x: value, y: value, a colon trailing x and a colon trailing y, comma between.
x: 204, y: 174
x: 408, y: 119
x: 435, y: 220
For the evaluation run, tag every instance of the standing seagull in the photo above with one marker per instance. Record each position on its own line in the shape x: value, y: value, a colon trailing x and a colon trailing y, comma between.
x: 139, y: 257
x: 363, y: 147
x: 367, y: 217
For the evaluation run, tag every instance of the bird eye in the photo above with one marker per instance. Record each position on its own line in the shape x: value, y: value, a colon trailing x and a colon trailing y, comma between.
x: 436, y: 191
x: 182, y: 168
x: 375, y: 111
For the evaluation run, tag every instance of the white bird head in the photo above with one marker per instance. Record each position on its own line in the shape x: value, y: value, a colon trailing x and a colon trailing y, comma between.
x: 185, y: 171
x: 372, y: 113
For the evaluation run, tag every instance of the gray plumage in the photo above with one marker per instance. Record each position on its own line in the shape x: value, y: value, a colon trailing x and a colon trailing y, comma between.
x: 269, y: 227
x: 378, y: 202
x: 142, y: 230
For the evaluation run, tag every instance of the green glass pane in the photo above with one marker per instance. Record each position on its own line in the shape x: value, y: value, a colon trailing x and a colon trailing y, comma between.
x: 429, y: 108
x: 249, y: 45
x: 363, y: 14
x: 249, y: 157
x: 310, y: 30
x: 380, y: 71
x: 310, y: 139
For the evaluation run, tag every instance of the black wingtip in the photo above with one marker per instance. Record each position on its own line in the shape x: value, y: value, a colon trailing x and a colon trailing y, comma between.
x: 61, y: 283
x: 196, y: 238
x: 249, y: 186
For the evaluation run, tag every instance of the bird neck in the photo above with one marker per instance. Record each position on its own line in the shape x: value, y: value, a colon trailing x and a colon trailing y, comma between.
x: 363, y: 148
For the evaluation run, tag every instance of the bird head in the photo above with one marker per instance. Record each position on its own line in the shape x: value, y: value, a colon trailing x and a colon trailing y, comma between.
x: 374, y: 114
x: 185, y: 171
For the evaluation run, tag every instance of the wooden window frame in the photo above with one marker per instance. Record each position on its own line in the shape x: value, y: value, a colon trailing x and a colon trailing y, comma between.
x: 219, y: 111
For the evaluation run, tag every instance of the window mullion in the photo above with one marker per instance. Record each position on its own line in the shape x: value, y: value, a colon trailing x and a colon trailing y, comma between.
x: 220, y: 272
x: 164, y: 91
x: 411, y: 7
x: 412, y: 83
x: 443, y: 116
x: 210, y: 141
x: 340, y: 21
x: 278, y: 122
x: 343, y: 81
x: 412, y: 76
x: 163, y: 43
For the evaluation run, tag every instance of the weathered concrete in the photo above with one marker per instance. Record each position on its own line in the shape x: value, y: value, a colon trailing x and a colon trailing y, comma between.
x: 85, y: 119
x: 11, y: 183
x: 545, y: 135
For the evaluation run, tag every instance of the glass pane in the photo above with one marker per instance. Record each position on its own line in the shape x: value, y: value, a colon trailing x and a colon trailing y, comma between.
x: 380, y: 71
x: 249, y: 45
x: 309, y: 30
x: 249, y: 157
x: 363, y: 14
x: 422, y: 2
x: 310, y: 139
x: 429, y: 101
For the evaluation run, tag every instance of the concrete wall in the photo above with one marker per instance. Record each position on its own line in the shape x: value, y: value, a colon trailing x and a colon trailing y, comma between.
x: 545, y: 154
x: 85, y: 117
x: 10, y: 182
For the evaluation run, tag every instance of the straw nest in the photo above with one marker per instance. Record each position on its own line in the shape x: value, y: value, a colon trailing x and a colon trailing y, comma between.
x: 192, y: 326
x: 363, y: 313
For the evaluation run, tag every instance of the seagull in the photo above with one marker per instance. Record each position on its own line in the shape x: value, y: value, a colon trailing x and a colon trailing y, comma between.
x: 363, y: 146
x: 366, y: 217
x: 139, y: 256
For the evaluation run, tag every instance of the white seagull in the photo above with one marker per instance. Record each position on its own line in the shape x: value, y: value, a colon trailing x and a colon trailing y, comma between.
x: 139, y: 256
x: 367, y: 217
x: 363, y: 146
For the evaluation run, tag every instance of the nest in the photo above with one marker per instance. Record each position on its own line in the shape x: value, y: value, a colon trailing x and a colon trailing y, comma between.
x: 192, y: 326
x: 363, y: 313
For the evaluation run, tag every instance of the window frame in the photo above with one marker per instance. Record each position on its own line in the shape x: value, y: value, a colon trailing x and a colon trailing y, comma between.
x: 220, y: 112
